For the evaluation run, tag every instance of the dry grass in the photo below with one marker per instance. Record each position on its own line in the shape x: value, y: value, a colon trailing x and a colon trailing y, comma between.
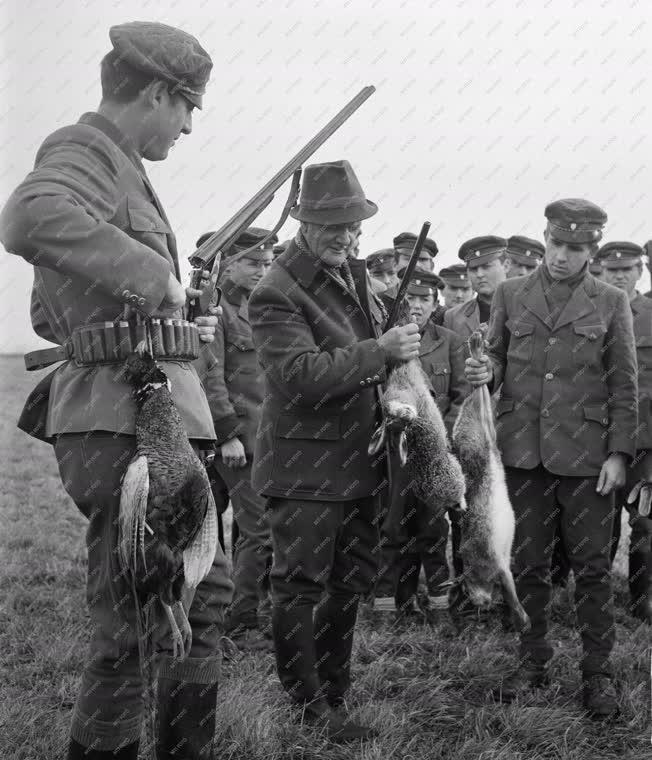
x: 424, y: 690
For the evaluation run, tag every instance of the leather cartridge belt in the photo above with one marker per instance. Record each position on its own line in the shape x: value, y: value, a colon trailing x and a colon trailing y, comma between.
x: 113, y: 342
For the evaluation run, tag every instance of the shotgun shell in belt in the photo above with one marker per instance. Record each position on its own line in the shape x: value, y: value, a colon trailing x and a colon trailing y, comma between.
x: 77, y: 346
x: 178, y: 336
x: 124, y: 340
x: 168, y: 337
x: 157, y: 337
x: 109, y: 341
x: 97, y: 344
x: 140, y: 333
x: 187, y: 339
x: 86, y: 345
x: 194, y: 339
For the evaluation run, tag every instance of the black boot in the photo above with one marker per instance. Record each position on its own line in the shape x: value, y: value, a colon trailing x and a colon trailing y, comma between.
x: 640, y: 584
x: 185, y: 719
x: 77, y: 752
x: 526, y: 677
x: 294, y: 646
x: 334, y: 625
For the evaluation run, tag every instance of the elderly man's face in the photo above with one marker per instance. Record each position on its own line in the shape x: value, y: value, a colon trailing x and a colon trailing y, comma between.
x: 566, y: 259
x: 331, y: 243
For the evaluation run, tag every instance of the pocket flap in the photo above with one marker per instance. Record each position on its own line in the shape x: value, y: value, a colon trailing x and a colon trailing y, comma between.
x: 518, y: 329
x: 504, y: 405
x: 144, y: 218
x: 241, y: 342
x: 644, y: 341
x: 439, y: 369
x: 596, y: 414
x: 592, y: 332
x: 323, y: 429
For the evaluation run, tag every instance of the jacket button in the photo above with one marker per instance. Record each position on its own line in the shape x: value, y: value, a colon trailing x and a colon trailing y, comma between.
x: 361, y: 382
x: 125, y: 294
x: 549, y: 376
x: 369, y: 381
x: 376, y: 378
x: 133, y: 298
x: 593, y: 336
x: 141, y: 301
x: 517, y: 333
x: 552, y: 341
x: 545, y: 413
x: 605, y: 420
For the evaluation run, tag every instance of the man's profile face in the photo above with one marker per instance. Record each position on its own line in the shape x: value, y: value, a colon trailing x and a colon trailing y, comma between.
x: 331, y: 243
x: 624, y: 276
x: 165, y: 121
x: 425, y: 261
x: 564, y: 260
x: 421, y: 307
x: 518, y: 269
x: 248, y: 272
x: 455, y: 294
x: 485, y: 278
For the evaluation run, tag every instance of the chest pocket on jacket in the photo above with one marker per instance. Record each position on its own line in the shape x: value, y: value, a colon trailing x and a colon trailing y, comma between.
x: 521, y: 340
x: 587, y: 344
x: 240, y: 356
x: 144, y: 218
x: 439, y: 376
x: 644, y: 354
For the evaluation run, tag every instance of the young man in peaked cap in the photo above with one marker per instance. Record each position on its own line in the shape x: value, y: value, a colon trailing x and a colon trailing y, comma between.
x: 318, y: 333
x: 561, y: 343
x: 456, y: 285
x: 404, y: 245
x: 382, y: 266
x: 622, y: 264
x: 486, y: 265
x: 524, y: 255
x: 90, y: 222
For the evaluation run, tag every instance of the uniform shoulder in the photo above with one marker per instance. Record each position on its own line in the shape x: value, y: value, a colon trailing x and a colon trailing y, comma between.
x: 453, y: 311
x: 643, y: 302
x: 446, y: 333
x: 83, y: 137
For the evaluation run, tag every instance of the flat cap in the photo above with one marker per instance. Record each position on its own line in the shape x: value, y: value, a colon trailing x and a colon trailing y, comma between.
x: 455, y: 275
x: 247, y: 239
x: 575, y: 220
x: 164, y: 52
x: 408, y: 239
x: 614, y: 255
x: 525, y: 250
x: 422, y: 283
x: 482, y: 250
x: 381, y: 261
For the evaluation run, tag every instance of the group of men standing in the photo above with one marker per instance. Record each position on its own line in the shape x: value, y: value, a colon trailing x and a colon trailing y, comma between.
x: 287, y: 391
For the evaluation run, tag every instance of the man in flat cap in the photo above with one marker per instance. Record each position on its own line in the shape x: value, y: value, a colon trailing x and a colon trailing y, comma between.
x: 622, y: 264
x: 561, y: 343
x: 425, y: 534
x: 486, y: 265
x: 318, y: 333
x: 457, y: 285
x: 235, y: 391
x: 404, y: 245
x: 524, y: 255
x: 382, y: 266
x: 87, y: 218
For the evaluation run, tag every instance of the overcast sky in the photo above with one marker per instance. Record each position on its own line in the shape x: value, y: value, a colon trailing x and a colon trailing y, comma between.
x: 484, y: 111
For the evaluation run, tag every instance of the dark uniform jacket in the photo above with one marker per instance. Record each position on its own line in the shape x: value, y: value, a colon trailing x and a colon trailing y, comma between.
x: 89, y: 221
x: 463, y: 319
x: 569, y: 393
x: 235, y: 385
x: 442, y: 357
x: 317, y: 345
x: 642, y: 315
x: 438, y: 314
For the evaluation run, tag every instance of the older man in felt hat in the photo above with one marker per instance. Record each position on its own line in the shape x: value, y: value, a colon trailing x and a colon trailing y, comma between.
x: 89, y: 221
x: 524, y: 255
x: 561, y: 343
x: 318, y: 333
x: 404, y: 245
x: 622, y: 264
x: 486, y: 266
x: 235, y: 391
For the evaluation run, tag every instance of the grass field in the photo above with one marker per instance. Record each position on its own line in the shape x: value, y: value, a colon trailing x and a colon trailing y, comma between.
x: 424, y: 690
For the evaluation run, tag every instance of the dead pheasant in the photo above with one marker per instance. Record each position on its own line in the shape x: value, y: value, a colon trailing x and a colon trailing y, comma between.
x: 488, y: 522
x: 168, y: 522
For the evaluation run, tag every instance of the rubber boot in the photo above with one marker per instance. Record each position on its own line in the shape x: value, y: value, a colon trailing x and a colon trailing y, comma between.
x: 334, y: 625
x: 77, y: 752
x: 185, y: 719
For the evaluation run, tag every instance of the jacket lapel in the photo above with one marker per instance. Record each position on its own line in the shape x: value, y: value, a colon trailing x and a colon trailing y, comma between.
x: 533, y: 298
x: 430, y: 340
x: 579, y: 305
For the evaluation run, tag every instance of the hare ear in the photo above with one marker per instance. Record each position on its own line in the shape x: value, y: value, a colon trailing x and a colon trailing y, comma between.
x: 402, y: 448
x: 377, y: 439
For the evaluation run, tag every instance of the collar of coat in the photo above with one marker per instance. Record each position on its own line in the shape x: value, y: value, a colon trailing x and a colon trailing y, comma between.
x: 430, y: 338
x: 233, y: 293
x: 531, y: 294
x: 306, y: 268
x: 640, y: 303
x: 126, y: 144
